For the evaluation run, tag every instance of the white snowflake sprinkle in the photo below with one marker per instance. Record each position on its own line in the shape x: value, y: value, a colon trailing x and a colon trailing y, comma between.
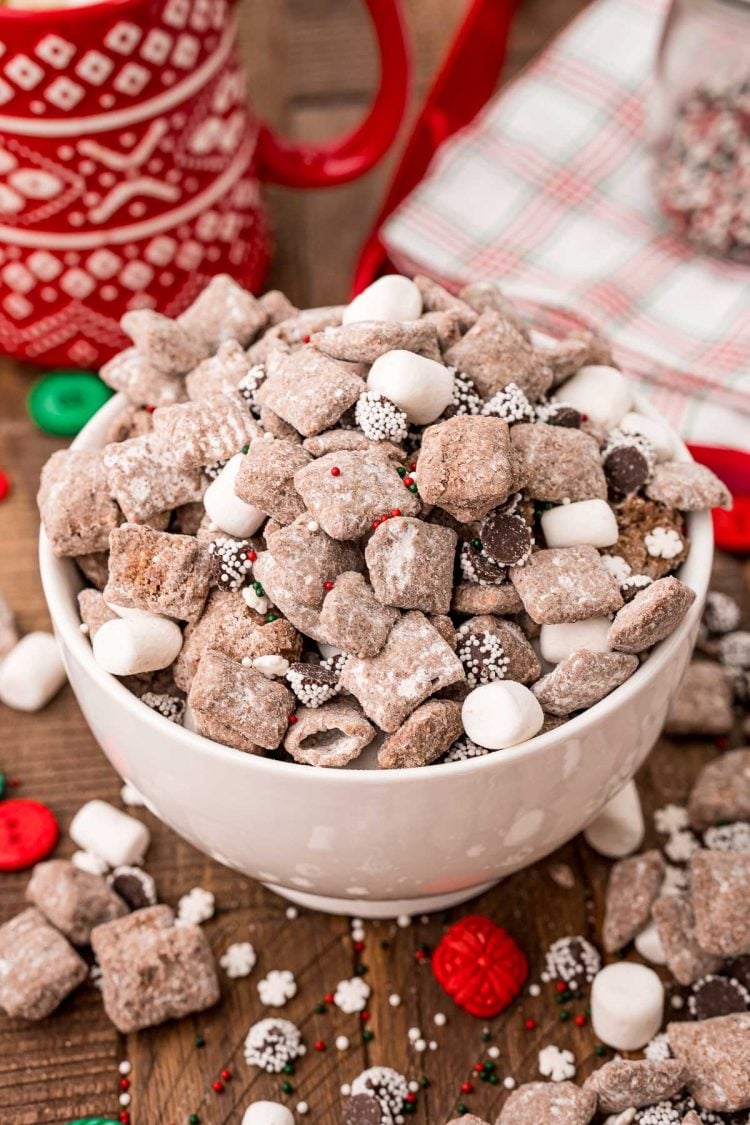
x: 195, y: 907
x: 680, y: 846
x: 238, y: 960
x: 663, y: 543
x: 670, y: 819
x: 259, y: 602
x: 617, y: 567
x: 277, y: 987
x: 556, y: 1064
x: 351, y: 995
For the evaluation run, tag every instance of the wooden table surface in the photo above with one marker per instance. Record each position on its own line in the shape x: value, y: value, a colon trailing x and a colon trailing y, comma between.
x: 311, y: 70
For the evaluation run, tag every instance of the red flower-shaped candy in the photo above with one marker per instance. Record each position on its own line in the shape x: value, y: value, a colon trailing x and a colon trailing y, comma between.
x: 479, y: 966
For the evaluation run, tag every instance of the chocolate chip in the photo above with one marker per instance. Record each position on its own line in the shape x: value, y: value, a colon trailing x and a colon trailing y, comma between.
x: 563, y: 415
x: 506, y: 539
x: 135, y: 887
x: 626, y: 469
x: 717, y: 996
x: 362, y: 1109
x: 633, y: 585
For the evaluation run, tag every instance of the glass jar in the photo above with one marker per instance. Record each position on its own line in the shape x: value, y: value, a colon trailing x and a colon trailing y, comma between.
x: 700, y: 124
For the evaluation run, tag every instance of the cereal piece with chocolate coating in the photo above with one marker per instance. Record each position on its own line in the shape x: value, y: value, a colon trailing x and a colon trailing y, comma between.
x: 94, y: 611
x: 703, y: 703
x: 688, y: 486
x: 94, y: 567
x: 722, y: 791
x: 266, y: 478
x: 346, y: 491
x: 305, y: 552
x: 364, y: 341
x: 297, y: 329
x: 129, y: 373
x: 331, y: 735
x: 484, y: 295
x: 716, y: 1055
x: 634, y: 884
x: 331, y: 441
x: 548, y: 1103
x: 219, y: 374
x: 424, y: 737
x: 277, y: 306
x: 675, y: 924
x: 154, y: 570
x: 272, y: 424
x: 200, y: 433
x: 353, y: 619
x: 309, y: 390
x: 75, y: 506
x: 582, y: 679
x: 559, y: 463
x: 282, y: 585
x: 411, y: 564
x: 493, y: 353
x: 39, y: 967
x: 624, y: 1083
x: 448, y: 328
x: 566, y: 584
x: 132, y: 421
x: 164, y: 344
x: 145, y: 479
x: 467, y: 466
x: 228, y: 625
x: 720, y: 891
x: 223, y: 310
x: 645, y: 527
x: 254, y: 708
x: 470, y: 598
x: 435, y: 298
x: 579, y: 349
x: 74, y: 901
x: 651, y: 616
x: 153, y: 970
x: 414, y: 664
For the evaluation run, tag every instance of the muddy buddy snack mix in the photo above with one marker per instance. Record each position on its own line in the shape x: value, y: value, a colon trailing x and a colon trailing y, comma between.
x: 400, y: 524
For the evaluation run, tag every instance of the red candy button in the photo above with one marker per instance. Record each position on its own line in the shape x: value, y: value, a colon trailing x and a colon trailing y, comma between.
x: 479, y: 966
x: 28, y: 833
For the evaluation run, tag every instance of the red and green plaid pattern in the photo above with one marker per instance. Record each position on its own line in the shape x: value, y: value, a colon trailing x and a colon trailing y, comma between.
x: 549, y: 191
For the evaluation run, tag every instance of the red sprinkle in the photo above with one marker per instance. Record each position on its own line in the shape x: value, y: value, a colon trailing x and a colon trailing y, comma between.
x: 292, y: 720
x: 217, y: 1086
x: 125, y: 1117
x: 376, y: 524
x: 358, y: 946
x: 561, y: 986
x: 364, y: 1016
x: 421, y: 955
x: 328, y: 997
x: 150, y: 409
x: 305, y: 339
x: 410, y: 1098
x: 4, y: 485
x: 580, y: 1021
x: 328, y: 585
x: 320, y: 1045
x: 226, y: 1075
x: 395, y: 511
x: 479, y: 1067
x: 412, y: 465
x: 467, y: 1087
x: 252, y: 556
x: 335, y: 471
x: 124, y: 1083
x: 408, y: 481
x: 529, y: 1024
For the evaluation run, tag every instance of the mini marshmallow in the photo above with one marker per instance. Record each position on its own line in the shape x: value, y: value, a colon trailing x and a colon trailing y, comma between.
x: 500, y: 714
x: 627, y: 1005
x: 648, y: 945
x: 602, y: 393
x: 129, y: 611
x: 230, y: 514
x: 654, y: 431
x: 618, y: 829
x: 112, y: 835
x: 389, y: 298
x: 421, y: 387
x: 32, y: 673
x: 557, y: 642
x: 575, y: 525
x: 327, y: 651
x: 267, y: 1113
x: 133, y: 645
x: 85, y: 861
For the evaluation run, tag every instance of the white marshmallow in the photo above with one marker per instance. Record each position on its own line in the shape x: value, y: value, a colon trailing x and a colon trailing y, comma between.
x: 112, y: 835
x: 32, y: 673
x: 627, y: 1005
x: 585, y: 522
x: 648, y: 945
x: 653, y: 430
x: 230, y: 514
x: 129, y: 646
x: 500, y: 714
x: 421, y: 387
x: 267, y: 1113
x: 618, y: 829
x: 389, y: 298
x: 602, y: 393
x: 327, y: 651
x: 85, y: 861
x: 556, y: 642
x: 129, y: 611
x: 627, y: 1117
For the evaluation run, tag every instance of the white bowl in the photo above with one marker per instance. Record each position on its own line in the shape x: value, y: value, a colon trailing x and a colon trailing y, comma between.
x: 364, y: 842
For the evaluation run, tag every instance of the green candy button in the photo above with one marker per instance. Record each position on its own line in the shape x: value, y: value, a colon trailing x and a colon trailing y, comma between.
x: 62, y: 402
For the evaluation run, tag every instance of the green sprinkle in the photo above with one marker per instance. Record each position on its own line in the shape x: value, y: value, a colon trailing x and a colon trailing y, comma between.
x: 2, y: 784
x: 367, y: 1035
x: 194, y: 1119
x: 245, y: 448
x: 600, y: 1050
x: 486, y: 1036
x: 412, y: 488
x: 200, y: 1041
x: 271, y: 617
x: 564, y: 1015
x: 287, y: 1088
x: 361, y: 970
x: 461, y: 1109
x: 288, y: 1068
x: 258, y: 589
x: 490, y: 1066
x: 401, y: 470
x: 320, y: 1009
x: 385, y: 945
x: 424, y: 1082
x: 494, y: 1080
x: 409, y: 1107
x: 484, y: 1076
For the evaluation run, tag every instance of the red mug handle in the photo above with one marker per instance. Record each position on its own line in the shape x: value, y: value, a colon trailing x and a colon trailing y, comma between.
x: 344, y: 158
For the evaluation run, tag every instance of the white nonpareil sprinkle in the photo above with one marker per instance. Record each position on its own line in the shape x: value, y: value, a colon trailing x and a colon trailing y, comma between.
x: 351, y: 995
x: 403, y: 921
x: 440, y: 1019
x: 420, y: 1045
x: 125, y: 1099
x: 433, y: 1045
x: 277, y: 987
x: 196, y: 906
x: 342, y: 1043
x: 394, y: 1000
x: 346, y: 1090
x: 170, y: 706
x: 494, y: 1052
x: 130, y: 796
x: 556, y: 1064
x: 534, y: 990
x: 663, y: 543
x: 658, y: 1049
x: 302, y: 1108
x: 125, y: 1067
x: 677, y: 1002
x: 291, y: 913
x: 238, y: 960
x: 414, y: 1033
x: 509, y: 1083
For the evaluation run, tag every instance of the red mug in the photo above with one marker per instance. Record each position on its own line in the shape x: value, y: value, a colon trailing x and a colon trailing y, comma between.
x: 130, y: 165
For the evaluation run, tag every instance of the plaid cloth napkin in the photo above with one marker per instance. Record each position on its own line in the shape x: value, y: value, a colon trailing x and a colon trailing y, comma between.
x: 548, y: 190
